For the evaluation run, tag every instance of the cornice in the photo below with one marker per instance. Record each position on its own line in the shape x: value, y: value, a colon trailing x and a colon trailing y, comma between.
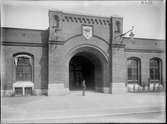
x: 25, y: 29
x: 145, y: 39
x: 9, y: 43
x: 83, y: 19
x: 118, y: 45
x: 144, y: 50
x: 57, y: 42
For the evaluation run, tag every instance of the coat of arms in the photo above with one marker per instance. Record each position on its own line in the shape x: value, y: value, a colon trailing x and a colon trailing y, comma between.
x: 87, y: 31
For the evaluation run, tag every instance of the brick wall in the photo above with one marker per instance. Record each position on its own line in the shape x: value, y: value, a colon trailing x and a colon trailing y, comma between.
x: 53, y: 52
x: 25, y: 41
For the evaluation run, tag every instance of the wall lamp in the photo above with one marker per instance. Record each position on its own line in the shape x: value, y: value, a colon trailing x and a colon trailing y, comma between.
x: 131, y: 34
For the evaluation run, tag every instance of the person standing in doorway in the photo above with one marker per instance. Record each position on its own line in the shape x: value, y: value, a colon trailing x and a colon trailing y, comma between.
x: 83, y: 88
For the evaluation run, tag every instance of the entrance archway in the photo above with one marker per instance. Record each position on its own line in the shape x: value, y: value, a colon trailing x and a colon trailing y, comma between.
x: 86, y: 66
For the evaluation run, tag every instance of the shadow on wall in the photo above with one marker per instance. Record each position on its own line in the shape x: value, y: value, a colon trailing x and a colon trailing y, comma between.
x: 44, y: 62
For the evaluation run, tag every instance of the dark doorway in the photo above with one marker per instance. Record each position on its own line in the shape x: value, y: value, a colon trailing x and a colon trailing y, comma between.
x: 81, y: 68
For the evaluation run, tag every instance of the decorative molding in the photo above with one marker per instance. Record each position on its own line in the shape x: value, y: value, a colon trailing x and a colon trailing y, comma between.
x: 79, y: 35
x: 9, y: 43
x: 22, y: 55
x: 101, y: 39
x: 118, y: 45
x: 144, y: 50
x: 80, y: 48
x: 57, y: 42
x: 85, y: 19
x: 87, y: 31
x: 146, y: 39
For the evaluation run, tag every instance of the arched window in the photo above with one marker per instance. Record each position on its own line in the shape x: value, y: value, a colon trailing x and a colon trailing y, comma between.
x: 24, y: 67
x: 155, y: 69
x: 134, y: 70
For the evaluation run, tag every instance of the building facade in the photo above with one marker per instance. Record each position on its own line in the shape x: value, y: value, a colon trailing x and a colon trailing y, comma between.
x: 76, y: 48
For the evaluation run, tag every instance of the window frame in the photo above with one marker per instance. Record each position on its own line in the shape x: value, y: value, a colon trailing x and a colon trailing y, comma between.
x: 159, y: 69
x: 138, y: 61
x: 15, y: 59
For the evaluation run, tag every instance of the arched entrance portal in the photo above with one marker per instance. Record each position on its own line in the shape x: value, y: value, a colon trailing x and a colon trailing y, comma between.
x: 88, y: 67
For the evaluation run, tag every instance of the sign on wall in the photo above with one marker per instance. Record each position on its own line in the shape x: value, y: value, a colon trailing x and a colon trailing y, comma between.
x: 87, y: 31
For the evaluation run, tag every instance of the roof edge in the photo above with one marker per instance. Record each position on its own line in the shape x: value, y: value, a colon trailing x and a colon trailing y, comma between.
x: 24, y: 29
x: 86, y: 15
x: 145, y: 39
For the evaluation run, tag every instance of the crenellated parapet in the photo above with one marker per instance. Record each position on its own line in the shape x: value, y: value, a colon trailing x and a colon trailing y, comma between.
x: 86, y: 19
x: 62, y: 26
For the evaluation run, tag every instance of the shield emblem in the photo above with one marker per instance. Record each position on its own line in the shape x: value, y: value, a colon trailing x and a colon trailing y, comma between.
x: 87, y: 31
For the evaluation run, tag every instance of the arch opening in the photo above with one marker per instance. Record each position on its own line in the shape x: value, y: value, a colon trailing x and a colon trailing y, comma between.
x: 85, y: 66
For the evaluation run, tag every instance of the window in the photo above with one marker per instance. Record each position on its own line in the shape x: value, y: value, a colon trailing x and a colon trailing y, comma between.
x: 134, y: 70
x: 23, y: 68
x: 155, y: 69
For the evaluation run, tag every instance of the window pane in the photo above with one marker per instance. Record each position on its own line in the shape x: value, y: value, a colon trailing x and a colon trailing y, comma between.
x: 155, y: 69
x: 23, y: 69
x: 132, y: 70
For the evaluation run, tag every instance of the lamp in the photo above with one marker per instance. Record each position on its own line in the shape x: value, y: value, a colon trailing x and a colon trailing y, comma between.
x: 131, y: 35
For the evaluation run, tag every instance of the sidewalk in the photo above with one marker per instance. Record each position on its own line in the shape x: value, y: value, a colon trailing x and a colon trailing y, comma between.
x: 74, y: 105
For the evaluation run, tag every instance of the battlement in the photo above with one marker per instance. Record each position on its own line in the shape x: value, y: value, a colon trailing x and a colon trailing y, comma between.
x: 65, y: 25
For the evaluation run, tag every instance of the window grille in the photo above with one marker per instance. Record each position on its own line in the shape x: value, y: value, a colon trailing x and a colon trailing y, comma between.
x: 23, y: 69
x: 155, y: 69
x: 133, y: 70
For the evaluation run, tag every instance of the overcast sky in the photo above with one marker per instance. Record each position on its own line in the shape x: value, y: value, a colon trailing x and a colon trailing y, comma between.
x: 148, y: 19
